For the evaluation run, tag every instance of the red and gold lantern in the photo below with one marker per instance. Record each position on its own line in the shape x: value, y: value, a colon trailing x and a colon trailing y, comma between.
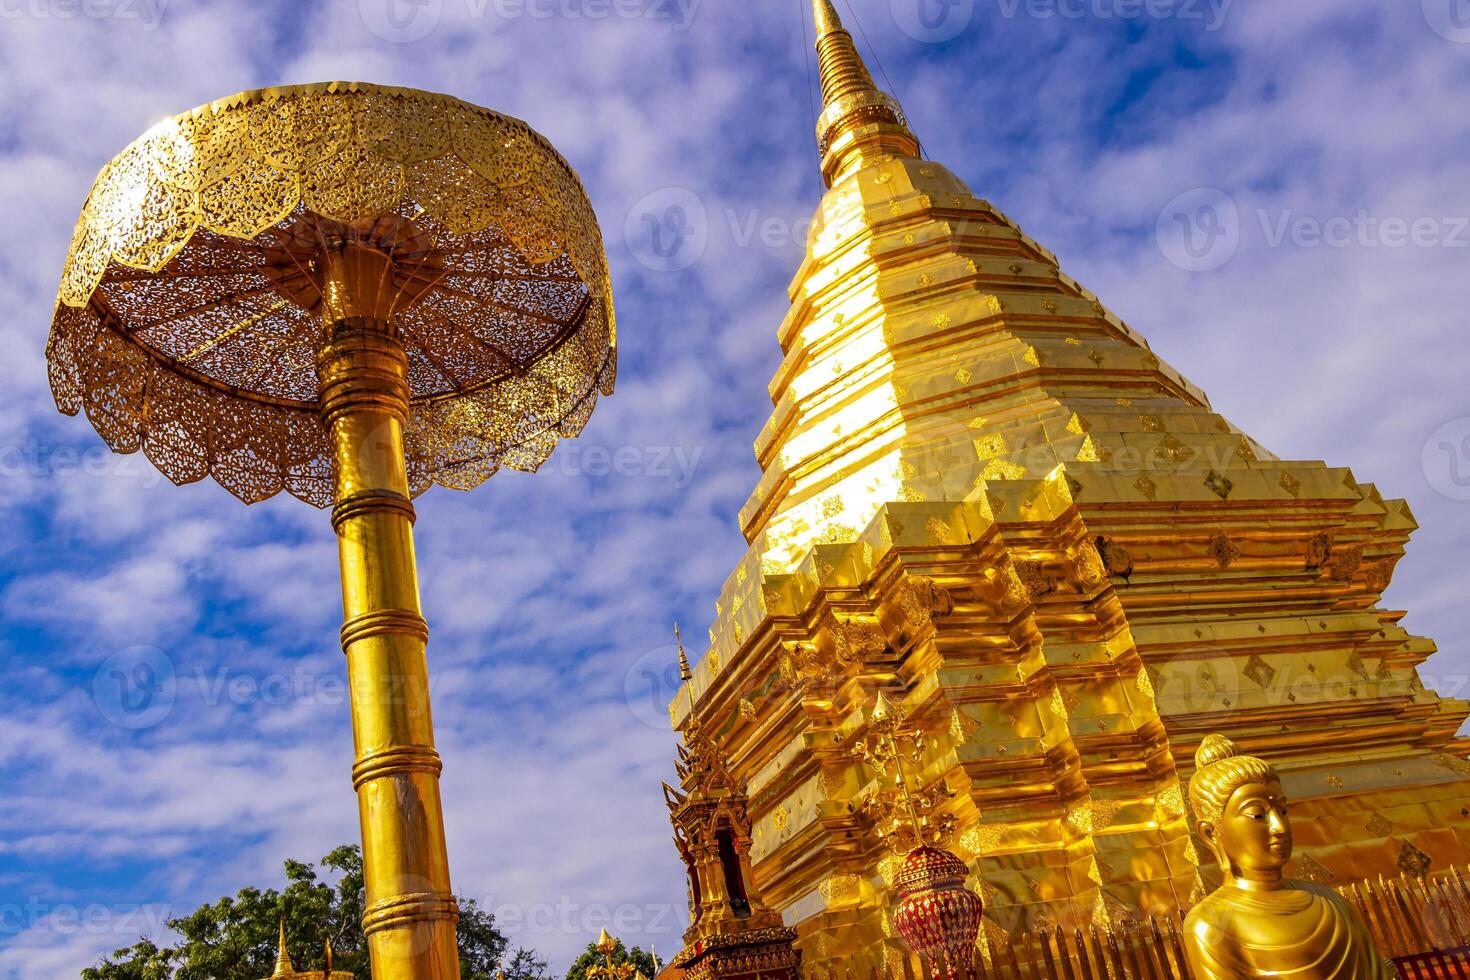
x: 937, y: 915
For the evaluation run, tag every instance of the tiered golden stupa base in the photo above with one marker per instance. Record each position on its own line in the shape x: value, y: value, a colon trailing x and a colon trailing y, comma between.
x: 1056, y: 710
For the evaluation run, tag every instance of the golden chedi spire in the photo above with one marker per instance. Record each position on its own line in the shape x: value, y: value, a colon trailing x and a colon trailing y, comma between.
x: 284, y: 967
x: 859, y: 121
x: 685, y: 673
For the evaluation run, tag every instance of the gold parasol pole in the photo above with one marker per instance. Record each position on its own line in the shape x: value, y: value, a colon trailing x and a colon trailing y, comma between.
x: 410, y: 913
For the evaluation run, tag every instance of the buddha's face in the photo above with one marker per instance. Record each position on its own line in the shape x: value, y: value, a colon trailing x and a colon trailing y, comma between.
x: 1254, y: 833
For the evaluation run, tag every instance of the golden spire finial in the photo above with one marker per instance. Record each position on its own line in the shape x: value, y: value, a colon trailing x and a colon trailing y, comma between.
x: 826, y: 17
x: 858, y: 118
x: 838, y: 62
x: 283, y: 959
x: 882, y: 710
x: 685, y: 673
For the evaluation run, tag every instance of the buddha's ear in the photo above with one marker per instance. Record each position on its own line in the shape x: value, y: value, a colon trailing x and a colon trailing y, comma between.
x: 1206, y: 830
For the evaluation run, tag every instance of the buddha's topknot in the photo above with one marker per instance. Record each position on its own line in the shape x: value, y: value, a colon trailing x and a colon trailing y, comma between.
x: 1220, y: 769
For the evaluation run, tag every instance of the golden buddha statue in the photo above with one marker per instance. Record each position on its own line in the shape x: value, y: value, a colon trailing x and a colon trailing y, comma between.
x: 1259, y: 923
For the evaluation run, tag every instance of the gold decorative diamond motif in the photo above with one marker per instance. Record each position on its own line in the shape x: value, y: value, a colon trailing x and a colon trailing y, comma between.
x: 1259, y: 671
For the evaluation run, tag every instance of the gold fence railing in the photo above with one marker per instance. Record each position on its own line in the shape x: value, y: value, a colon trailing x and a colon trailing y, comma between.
x: 1150, y: 950
x: 1421, y: 923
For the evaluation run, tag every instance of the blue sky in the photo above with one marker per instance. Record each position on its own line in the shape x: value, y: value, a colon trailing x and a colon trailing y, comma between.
x: 1308, y: 133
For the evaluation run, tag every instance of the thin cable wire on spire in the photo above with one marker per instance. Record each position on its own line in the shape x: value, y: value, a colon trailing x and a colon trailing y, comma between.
x: 806, y: 57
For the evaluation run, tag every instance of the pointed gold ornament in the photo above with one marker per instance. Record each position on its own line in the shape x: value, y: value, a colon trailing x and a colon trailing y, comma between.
x: 283, y: 959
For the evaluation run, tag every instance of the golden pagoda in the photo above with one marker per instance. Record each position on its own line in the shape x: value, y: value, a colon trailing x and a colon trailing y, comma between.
x: 983, y: 495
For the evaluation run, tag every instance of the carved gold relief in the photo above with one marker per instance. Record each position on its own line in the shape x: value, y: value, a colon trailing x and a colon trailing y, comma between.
x: 1117, y: 559
x: 922, y: 599
x: 1319, y: 550
x: 1032, y: 574
x: 1219, y: 485
x: 1345, y: 562
x: 1412, y: 861
x: 1223, y: 550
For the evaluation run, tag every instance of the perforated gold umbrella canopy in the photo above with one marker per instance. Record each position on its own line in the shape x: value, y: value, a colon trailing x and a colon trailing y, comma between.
x: 190, y: 312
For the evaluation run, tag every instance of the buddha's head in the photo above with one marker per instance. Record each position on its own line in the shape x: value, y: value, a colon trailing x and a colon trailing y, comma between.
x: 1241, y: 811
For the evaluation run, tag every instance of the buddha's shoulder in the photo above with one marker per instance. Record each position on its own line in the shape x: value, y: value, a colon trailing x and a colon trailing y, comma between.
x: 1230, y: 904
x: 1201, y: 920
x: 1328, y: 895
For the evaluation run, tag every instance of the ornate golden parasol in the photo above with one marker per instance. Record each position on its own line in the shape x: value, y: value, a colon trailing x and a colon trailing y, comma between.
x: 348, y: 292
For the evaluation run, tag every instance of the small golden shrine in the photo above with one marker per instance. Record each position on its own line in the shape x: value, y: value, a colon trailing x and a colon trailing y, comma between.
x: 732, y: 933
x: 984, y: 495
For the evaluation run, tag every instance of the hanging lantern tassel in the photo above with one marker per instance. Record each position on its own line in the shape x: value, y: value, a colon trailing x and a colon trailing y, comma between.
x: 937, y: 915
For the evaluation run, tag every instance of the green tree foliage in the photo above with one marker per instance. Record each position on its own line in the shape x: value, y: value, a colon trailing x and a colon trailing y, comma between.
x: 643, y: 961
x: 235, y: 938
